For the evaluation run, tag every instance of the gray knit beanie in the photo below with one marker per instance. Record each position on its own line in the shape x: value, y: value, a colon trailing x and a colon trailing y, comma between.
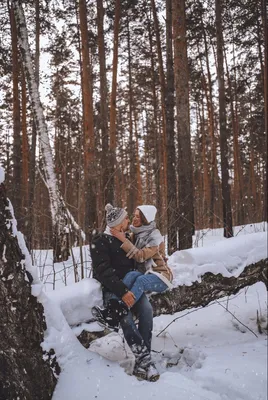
x: 114, y: 215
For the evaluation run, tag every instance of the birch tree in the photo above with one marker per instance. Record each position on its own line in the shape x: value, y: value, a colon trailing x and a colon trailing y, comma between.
x: 61, y: 217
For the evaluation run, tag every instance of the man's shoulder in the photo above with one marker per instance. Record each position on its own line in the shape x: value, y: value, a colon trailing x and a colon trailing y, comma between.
x: 101, y: 237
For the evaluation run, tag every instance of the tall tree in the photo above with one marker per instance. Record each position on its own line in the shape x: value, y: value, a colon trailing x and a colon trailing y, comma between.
x: 170, y: 130
x: 185, y: 174
x: 226, y: 188
x: 17, y: 143
x: 88, y: 127
x: 112, y: 148
x: 103, y: 104
x: 265, y: 83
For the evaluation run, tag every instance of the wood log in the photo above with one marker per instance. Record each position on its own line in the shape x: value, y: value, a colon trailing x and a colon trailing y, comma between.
x: 212, y: 287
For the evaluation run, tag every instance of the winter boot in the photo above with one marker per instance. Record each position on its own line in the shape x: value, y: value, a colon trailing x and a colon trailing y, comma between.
x: 152, y: 373
x: 144, y: 367
x: 111, y: 315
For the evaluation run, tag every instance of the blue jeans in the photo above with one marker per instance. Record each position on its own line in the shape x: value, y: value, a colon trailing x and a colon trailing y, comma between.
x: 143, y: 333
x: 139, y: 283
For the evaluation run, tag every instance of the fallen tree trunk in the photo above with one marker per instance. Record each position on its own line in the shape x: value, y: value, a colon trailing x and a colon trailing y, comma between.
x: 24, y: 372
x: 212, y: 287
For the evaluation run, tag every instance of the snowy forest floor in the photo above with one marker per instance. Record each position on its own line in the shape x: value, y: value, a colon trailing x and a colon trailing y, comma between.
x: 213, y: 353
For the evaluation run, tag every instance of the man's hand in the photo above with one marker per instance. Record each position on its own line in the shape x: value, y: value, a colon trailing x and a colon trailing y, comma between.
x: 118, y: 234
x: 129, y: 299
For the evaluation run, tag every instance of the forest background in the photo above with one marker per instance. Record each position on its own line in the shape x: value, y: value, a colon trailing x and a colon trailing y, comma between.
x: 157, y: 102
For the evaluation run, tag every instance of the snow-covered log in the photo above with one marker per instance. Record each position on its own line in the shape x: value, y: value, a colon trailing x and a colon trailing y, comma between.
x: 25, y: 371
x: 61, y: 216
x: 211, y: 287
x: 200, y: 293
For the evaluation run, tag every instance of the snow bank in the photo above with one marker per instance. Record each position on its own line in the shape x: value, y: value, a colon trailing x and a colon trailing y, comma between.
x: 76, y: 300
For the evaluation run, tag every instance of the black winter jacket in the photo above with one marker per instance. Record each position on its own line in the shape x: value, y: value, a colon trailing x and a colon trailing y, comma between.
x: 110, y: 263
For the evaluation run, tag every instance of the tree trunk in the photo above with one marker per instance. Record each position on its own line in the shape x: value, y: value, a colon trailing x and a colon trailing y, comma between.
x: 185, y: 174
x: 163, y: 137
x: 170, y: 131
x: 212, y: 287
x: 238, y: 172
x: 112, y: 149
x: 24, y: 373
x: 88, y: 128
x: 17, y: 153
x: 25, y: 152
x: 226, y: 190
x: 265, y: 90
x: 199, y: 294
x: 32, y: 161
x: 103, y: 105
x: 155, y: 132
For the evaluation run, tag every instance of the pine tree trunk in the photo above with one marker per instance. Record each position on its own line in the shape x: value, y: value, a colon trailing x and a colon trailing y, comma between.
x: 155, y: 131
x: 88, y: 127
x: 32, y: 156
x: 17, y: 145
x: 265, y: 84
x: 238, y: 173
x: 132, y: 192
x: 103, y: 106
x: 226, y: 190
x: 24, y: 373
x: 112, y: 149
x: 25, y: 151
x: 213, y: 159
x: 170, y: 132
x: 185, y: 174
x: 163, y: 137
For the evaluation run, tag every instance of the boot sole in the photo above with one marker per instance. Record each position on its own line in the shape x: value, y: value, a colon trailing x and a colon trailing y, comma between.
x: 154, y: 378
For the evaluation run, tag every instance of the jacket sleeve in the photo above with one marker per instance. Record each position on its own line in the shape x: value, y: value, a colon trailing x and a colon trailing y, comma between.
x: 103, y: 270
x: 140, y: 255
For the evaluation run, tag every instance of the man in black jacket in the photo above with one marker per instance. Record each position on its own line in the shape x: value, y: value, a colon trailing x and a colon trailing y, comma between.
x: 110, y: 265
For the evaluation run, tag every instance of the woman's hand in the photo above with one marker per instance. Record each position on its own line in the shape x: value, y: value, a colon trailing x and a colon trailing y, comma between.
x: 118, y: 234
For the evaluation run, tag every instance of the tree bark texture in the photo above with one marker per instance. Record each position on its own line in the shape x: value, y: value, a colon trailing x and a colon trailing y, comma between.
x: 17, y: 151
x: 226, y: 188
x: 185, y: 173
x: 112, y: 148
x: 104, y: 112
x: 88, y: 127
x: 24, y: 374
x: 170, y: 132
x: 212, y: 287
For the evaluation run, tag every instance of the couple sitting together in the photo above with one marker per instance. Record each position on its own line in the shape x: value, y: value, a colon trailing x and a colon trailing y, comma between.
x: 128, y: 266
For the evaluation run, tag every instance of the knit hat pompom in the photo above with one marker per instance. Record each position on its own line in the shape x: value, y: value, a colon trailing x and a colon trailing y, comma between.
x: 114, y: 215
x: 108, y: 207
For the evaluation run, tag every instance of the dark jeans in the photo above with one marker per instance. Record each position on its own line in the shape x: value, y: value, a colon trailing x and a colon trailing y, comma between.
x: 143, y: 333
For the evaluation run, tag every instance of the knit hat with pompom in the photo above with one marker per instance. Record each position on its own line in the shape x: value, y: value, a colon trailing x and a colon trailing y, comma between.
x: 114, y: 215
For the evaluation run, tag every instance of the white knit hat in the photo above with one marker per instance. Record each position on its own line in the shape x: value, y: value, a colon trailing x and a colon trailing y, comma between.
x: 114, y: 215
x: 148, y: 211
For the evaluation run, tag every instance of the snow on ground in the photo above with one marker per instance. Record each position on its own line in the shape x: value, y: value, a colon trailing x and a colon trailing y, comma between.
x: 213, y: 353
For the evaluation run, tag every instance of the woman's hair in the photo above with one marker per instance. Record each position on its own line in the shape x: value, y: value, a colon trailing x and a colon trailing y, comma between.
x: 143, y: 219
